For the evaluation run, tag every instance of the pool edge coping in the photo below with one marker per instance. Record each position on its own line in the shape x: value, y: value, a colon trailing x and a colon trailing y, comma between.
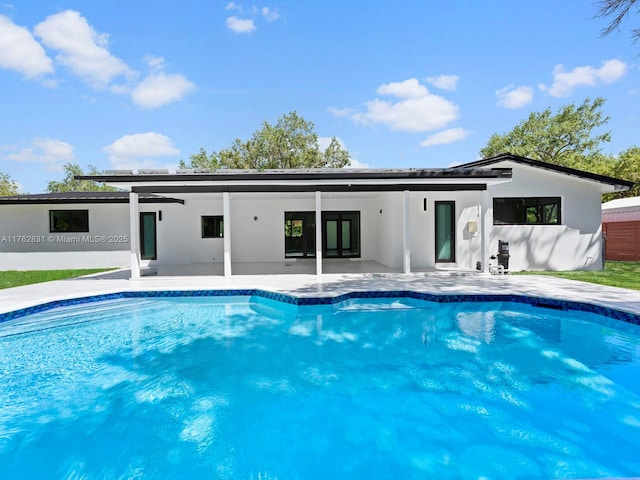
x: 534, y: 300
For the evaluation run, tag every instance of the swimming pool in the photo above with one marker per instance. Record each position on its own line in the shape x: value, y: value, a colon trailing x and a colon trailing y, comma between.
x: 252, y: 387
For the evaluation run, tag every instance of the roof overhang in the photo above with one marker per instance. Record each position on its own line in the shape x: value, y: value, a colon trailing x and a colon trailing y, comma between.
x: 68, y: 198
x: 608, y: 184
x: 335, y: 180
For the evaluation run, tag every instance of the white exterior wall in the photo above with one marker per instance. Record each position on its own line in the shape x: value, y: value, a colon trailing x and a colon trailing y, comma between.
x: 423, y: 248
x: 387, y: 207
x: 179, y: 232
x: 576, y: 244
x: 262, y: 240
x: 27, y: 244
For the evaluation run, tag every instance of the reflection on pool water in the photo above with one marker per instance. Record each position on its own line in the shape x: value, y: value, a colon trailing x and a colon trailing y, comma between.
x: 244, y: 387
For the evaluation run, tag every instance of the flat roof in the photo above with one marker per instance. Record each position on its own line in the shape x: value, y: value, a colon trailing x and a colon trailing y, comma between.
x: 82, y: 197
x: 312, y: 174
x: 303, y: 180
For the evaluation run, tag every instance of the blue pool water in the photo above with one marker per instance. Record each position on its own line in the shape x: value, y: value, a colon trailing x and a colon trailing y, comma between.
x: 249, y: 388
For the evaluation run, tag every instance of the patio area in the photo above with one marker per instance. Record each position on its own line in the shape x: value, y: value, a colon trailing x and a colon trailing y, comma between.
x: 288, y: 267
x: 328, y: 285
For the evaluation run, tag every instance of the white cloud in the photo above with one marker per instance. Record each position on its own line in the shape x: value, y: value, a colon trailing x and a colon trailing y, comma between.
x: 408, y: 89
x: 445, y: 82
x: 158, y: 88
x: 139, y: 150
x: 515, y: 97
x: 418, y: 110
x: 149, y: 144
x: 340, y: 112
x: 248, y: 23
x: 41, y: 150
x: 81, y: 48
x: 564, y: 82
x: 445, y: 137
x: 240, y: 25
x: 20, y: 52
x: 270, y: 15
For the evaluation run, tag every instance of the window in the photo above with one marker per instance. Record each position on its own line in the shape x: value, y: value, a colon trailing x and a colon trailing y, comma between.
x: 68, y: 221
x: 212, y: 227
x: 526, y: 211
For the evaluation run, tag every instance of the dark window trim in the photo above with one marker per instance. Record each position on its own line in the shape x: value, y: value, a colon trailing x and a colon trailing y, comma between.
x: 540, y: 202
x: 71, y: 229
x: 218, y: 226
x: 451, y: 259
x: 324, y: 232
x: 308, y: 220
x: 155, y: 236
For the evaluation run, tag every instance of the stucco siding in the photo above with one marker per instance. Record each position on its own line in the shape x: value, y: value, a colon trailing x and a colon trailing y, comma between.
x: 576, y: 244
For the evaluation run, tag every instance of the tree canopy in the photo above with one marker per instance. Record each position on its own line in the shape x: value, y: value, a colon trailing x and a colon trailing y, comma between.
x: 70, y: 184
x: 291, y: 143
x: 617, y: 10
x: 8, y: 186
x: 565, y: 138
x: 627, y: 167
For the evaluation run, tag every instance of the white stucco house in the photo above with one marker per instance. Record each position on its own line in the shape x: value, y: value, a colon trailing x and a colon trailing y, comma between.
x: 230, y: 222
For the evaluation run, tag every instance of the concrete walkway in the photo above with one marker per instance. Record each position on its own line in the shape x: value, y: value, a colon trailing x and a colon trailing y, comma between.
x: 329, y: 285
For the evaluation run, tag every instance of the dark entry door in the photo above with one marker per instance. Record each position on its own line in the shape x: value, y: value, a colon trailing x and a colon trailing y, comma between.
x: 341, y: 234
x: 445, y: 231
x: 148, y: 241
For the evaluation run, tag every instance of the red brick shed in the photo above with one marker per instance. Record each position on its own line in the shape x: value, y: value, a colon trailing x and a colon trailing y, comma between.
x: 621, y: 224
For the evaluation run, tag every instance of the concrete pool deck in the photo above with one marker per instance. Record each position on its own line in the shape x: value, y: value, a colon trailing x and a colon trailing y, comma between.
x: 449, y: 283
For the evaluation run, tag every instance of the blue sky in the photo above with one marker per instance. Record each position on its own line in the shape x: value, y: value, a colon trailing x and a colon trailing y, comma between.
x: 144, y: 84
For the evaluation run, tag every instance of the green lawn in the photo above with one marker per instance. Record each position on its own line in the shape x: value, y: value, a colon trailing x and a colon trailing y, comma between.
x: 13, y: 278
x: 616, y: 274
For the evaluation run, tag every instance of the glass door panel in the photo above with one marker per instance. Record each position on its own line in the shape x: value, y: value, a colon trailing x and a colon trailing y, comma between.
x: 445, y: 231
x: 148, y: 241
x: 331, y: 232
x: 346, y: 235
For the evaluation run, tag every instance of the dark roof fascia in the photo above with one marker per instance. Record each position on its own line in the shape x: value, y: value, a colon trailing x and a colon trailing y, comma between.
x: 304, y: 176
x: 419, y: 187
x: 61, y: 199
x: 505, y: 157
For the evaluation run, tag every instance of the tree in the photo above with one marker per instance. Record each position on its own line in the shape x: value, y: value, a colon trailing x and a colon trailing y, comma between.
x: 291, y: 143
x: 618, y: 9
x: 626, y: 167
x: 566, y: 138
x: 8, y: 186
x: 70, y: 184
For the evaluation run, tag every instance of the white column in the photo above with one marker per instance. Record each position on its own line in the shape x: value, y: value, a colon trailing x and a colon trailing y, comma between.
x: 484, y: 220
x: 226, y: 219
x: 134, y: 234
x: 318, y: 233
x: 406, y: 242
